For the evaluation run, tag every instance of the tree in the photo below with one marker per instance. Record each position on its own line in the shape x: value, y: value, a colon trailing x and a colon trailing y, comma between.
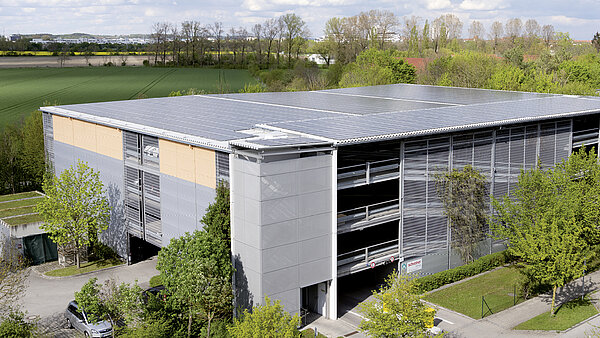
x: 396, y: 310
x: 294, y: 28
x: 268, y: 320
x: 75, y: 208
x: 476, y: 31
x: 550, y: 221
x: 13, y: 274
x: 496, y: 32
x: 110, y: 301
x: 197, y: 273
x: 596, y: 42
x: 216, y: 30
x: 514, y: 27
x: 463, y: 195
x: 217, y: 219
x: 375, y: 67
x: 547, y: 34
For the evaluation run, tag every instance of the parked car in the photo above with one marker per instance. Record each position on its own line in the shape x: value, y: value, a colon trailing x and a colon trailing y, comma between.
x: 154, y: 291
x: 76, y: 318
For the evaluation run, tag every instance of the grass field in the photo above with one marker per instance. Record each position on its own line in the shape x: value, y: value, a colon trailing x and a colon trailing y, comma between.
x: 497, y: 287
x: 24, y: 90
x: 565, y: 317
x: 85, y: 267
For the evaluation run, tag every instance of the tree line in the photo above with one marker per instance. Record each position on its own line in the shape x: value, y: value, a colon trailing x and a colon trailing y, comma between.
x: 192, y: 43
x: 22, y: 162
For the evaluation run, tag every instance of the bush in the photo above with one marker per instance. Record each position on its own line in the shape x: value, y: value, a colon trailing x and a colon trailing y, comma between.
x: 100, y: 251
x: 14, y: 325
x: 485, y: 263
x: 156, y: 281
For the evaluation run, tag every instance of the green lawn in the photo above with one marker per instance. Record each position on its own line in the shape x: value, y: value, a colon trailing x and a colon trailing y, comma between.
x: 310, y: 333
x: 566, y: 316
x: 24, y: 90
x: 17, y: 196
x: 85, y: 267
x: 20, y: 203
x: 497, y: 287
x: 25, y: 219
x: 17, y: 211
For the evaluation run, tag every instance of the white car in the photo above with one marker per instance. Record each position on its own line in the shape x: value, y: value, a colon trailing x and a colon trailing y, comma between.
x: 76, y: 318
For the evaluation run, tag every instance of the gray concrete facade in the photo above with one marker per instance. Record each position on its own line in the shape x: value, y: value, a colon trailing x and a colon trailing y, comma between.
x: 281, y: 227
x: 183, y: 204
x: 111, y: 175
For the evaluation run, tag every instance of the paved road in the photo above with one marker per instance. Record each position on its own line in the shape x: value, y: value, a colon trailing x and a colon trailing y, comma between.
x: 46, y: 296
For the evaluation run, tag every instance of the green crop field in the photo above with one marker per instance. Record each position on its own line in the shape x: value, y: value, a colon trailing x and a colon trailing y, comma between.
x: 24, y: 90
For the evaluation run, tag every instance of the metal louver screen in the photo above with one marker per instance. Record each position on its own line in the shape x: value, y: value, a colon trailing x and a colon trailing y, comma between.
x: 424, y: 227
x: 142, y: 184
x: 150, y: 151
x: 131, y: 146
x: 222, y: 165
x: 499, y: 155
x: 48, y: 137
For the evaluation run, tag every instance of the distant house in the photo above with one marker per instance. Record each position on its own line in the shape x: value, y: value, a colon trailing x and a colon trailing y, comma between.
x: 318, y: 59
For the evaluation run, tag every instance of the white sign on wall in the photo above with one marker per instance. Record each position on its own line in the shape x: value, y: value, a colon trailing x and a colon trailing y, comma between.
x: 414, y: 265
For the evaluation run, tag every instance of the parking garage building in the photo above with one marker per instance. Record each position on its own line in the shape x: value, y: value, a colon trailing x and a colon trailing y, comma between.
x: 324, y: 184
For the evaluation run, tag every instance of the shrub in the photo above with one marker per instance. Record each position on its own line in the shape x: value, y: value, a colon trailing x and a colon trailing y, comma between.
x: 485, y: 263
x: 14, y: 325
x: 100, y: 251
x: 156, y: 281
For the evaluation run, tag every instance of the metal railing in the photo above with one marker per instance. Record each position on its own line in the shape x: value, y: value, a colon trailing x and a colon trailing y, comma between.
x: 368, y: 173
x: 368, y: 213
x: 364, y: 255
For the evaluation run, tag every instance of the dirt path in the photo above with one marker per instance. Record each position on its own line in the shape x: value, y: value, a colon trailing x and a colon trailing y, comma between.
x: 73, y: 61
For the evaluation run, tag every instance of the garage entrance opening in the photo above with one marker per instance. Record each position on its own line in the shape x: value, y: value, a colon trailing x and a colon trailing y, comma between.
x: 140, y: 250
x: 313, y: 300
x: 357, y: 287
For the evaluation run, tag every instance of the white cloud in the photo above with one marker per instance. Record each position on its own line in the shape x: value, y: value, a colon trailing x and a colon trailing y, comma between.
x: 476, y: 5
x: 28, y: 9
x: 437, y: 4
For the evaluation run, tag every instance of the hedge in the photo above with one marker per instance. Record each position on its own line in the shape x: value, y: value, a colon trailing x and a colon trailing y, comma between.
x: 485, y: 263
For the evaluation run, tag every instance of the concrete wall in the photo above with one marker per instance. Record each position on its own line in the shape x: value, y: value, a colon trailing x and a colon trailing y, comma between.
x: 183, y: 203
x: 281, y: 228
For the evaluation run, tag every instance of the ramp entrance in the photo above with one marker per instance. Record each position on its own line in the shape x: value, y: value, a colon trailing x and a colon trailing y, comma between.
x: 140, y: 250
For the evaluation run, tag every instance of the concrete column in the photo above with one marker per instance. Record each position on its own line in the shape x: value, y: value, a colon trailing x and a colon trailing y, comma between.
x: 333, y: 289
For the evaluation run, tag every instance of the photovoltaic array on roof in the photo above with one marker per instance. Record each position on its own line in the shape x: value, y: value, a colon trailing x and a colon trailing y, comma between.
x: 338, y: 116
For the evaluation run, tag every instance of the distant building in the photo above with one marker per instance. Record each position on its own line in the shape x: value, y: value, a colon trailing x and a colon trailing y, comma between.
x: 15, y: 37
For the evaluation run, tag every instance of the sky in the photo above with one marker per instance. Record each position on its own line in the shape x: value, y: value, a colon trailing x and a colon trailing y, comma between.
x: 112, y: 17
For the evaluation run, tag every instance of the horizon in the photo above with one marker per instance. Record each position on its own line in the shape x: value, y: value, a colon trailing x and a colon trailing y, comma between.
x: 120, y: 17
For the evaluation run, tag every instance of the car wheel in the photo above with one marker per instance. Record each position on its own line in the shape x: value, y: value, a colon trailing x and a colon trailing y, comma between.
x: 87, y: 335
x: 69, y: 325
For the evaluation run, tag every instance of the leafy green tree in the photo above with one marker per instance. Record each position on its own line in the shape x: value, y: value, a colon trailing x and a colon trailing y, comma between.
x: 506, y: 77
x: 550, y: 221
x: 33, y: 159
x: 75, y: 208
x: 596, y: 42
x: 396, y: 310
x: 110, y: 301
x: 463, y: 194
x: 197, y: 272
x: 376, y: 67
x: 268, y: 321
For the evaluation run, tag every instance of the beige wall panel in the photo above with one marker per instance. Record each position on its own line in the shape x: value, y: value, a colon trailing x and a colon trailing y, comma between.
x: 168, y: 157
x: 205, y: 167
x: 62, y: 129
x: 109, y: 142
x: 84, y: 135
x: 185, y: 162
x: 192, y: 164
